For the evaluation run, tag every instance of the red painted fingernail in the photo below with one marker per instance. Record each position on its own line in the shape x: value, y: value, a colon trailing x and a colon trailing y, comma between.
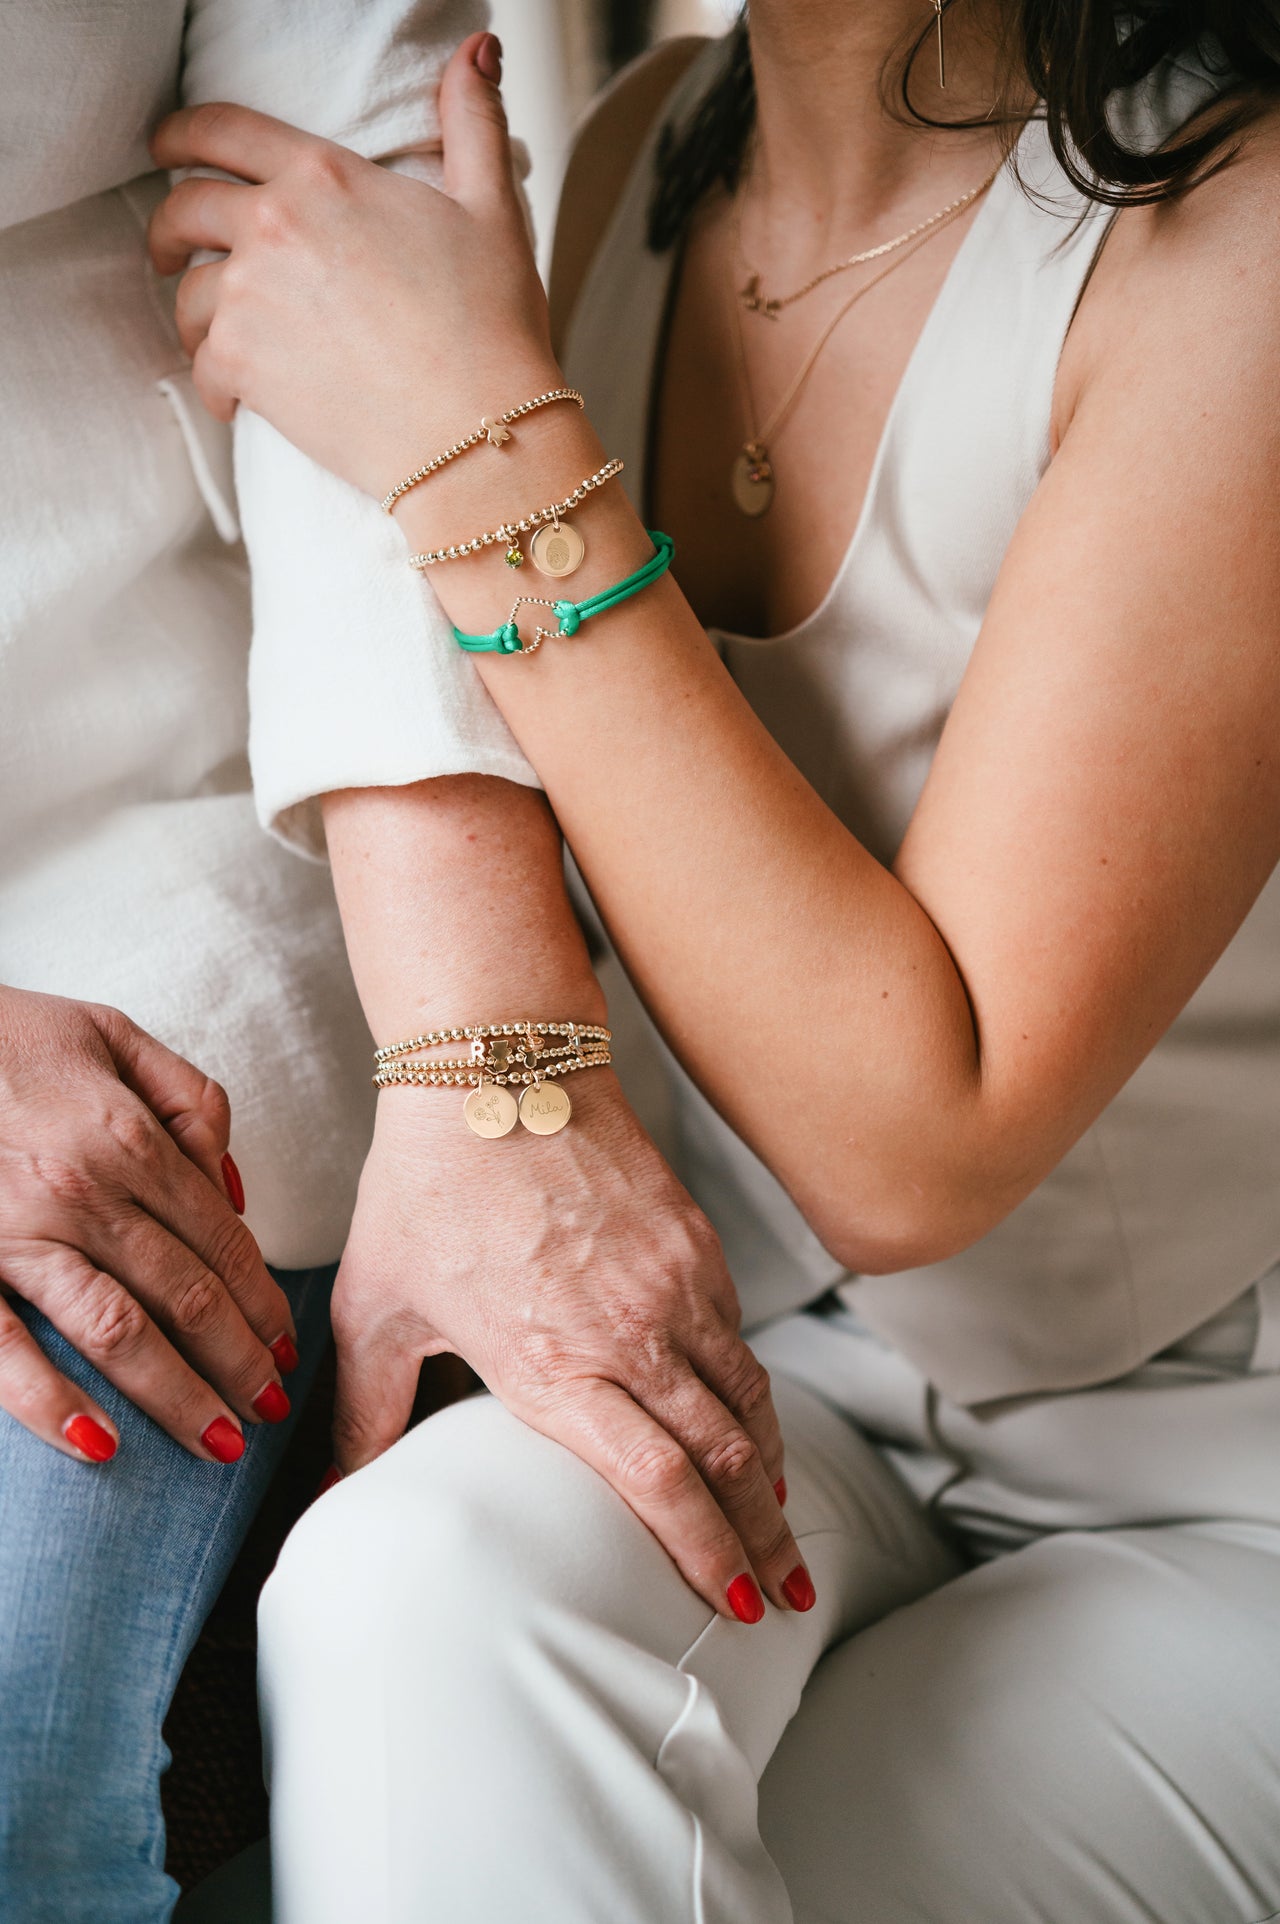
x: 331, y: 1476
x: 271, y: 1403
x: 235, y: 1188
x: 223, y: 1440
x: 798, y: 1589
x: 285, y: 1352
x: 488, y: 58
x: 745, y: 1600
x: 780, y: 1489
x: 90, y: 1439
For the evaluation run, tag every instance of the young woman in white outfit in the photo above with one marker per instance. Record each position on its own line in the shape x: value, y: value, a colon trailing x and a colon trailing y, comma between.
x: 934, y: 813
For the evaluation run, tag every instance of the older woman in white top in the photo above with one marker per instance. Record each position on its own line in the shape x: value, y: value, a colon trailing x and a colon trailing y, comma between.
x: 175, y: 983
x: 946, y: 870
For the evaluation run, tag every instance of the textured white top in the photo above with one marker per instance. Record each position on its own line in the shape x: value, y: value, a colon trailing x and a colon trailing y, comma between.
x: 132, y: 869
x: 1170, y: 1205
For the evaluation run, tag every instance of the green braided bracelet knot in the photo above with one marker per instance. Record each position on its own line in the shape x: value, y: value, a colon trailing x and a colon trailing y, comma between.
x: 571, y: 614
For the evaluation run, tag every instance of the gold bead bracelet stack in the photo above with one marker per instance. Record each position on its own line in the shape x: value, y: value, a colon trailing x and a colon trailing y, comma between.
x: 554, y: 550
x: 502, y: 1054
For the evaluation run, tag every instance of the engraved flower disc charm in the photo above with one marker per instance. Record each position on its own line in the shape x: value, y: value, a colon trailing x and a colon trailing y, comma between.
x: 557, y: 551
x: 545, y: 1108
x: 751, y: 480
x: 490, y: 1111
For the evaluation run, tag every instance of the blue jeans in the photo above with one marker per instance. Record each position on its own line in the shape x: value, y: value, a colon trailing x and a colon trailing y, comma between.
x: 106, y: 1577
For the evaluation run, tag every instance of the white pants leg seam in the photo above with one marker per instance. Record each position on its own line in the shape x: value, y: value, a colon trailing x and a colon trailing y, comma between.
x: 686, y: 1712
x: 697, y: 1908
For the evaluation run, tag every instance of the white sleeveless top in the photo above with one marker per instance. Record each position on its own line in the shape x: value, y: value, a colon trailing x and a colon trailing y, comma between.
x: 1169, y: 1207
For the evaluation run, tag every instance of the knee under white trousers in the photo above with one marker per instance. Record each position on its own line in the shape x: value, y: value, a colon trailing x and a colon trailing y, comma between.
x: 488, y: 1695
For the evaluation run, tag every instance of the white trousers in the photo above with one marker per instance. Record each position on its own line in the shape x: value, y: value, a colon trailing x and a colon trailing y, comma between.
x: 489, y: 1696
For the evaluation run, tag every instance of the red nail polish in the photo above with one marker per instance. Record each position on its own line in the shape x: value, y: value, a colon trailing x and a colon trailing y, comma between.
x: 745, y: 1600
x: 798, y: 1589
x: 780, y: 1489
x: 235, y: 1188
x: 90, y: 1439
x: 223, y: 1440
x: 488, y: 58
x: 271, y: 1403
x: 285, y: 1352
x: 331, y: 1476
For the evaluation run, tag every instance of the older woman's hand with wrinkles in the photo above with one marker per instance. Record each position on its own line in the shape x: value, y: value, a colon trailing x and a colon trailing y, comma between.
x: 590, y: 1294
x: 115, y: 1223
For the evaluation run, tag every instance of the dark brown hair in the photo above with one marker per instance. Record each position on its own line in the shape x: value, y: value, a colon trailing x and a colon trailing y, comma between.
x: 1073, y: 55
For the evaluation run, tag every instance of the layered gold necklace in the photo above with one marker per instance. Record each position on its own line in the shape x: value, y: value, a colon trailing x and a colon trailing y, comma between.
x: 752, y: 480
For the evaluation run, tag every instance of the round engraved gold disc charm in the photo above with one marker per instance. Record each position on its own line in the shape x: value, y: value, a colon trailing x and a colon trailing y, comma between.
x: 490, y: 1111
x: 557, y: 551
x: 751, y: 481
x: 545, y: 1108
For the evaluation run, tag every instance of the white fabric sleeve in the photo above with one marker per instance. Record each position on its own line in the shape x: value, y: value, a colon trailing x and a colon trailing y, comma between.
x: 354, y: 678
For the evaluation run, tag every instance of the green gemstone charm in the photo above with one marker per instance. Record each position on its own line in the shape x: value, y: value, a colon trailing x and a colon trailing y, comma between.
x: 515, y: 556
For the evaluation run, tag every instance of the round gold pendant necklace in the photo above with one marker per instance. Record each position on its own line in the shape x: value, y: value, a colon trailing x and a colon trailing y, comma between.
x: 751, y: 478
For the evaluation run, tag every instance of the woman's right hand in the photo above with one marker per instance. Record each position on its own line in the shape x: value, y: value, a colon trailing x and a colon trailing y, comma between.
x: 115, y: 1224
x: 578, y: 1278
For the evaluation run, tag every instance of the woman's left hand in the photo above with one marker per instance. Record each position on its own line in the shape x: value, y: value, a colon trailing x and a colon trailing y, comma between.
x: 366, y: 315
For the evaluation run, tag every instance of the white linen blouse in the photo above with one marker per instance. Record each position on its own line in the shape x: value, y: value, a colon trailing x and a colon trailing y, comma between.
x: 132, y: 869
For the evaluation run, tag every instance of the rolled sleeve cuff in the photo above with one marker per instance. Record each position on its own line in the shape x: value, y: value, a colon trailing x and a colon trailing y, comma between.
x: 354, y: 678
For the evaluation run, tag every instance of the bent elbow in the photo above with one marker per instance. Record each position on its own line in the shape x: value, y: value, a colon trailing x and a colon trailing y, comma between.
x: 915, y: 1225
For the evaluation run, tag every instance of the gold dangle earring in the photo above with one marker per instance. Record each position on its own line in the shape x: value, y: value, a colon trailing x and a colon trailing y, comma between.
x: 942, y: 51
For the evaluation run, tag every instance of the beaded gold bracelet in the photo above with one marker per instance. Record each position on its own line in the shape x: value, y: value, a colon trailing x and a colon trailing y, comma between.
x: 493, y: 428
x: 555, y: 550
x: 502, y: 1054
x: 497, y: 1068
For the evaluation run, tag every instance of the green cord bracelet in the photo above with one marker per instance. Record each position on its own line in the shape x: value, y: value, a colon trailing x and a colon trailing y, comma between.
x: 570, y: 614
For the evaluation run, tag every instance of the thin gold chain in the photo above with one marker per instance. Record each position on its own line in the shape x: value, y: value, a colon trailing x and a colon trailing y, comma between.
x: 754, y: 301
x: 760, y: 436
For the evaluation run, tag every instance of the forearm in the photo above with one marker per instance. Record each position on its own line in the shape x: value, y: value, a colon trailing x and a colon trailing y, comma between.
x: 454, y: 906
x: 802, y: 985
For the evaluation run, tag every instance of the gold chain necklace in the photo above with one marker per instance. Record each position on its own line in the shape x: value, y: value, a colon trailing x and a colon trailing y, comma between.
x: 755, y: 301
x: 751, y: 478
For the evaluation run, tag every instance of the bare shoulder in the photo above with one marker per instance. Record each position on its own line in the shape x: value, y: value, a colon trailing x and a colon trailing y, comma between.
x: 606, y: 147
x: 1190, y: 288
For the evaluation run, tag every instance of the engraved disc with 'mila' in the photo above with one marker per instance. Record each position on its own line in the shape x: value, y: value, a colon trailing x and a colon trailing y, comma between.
x: 752, y: 483
x: 490, y: 1110
x: 557, y: 551
x: 545, y: 1107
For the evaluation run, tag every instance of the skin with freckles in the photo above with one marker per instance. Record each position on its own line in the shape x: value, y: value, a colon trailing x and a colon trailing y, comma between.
x: 1105, y: 803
